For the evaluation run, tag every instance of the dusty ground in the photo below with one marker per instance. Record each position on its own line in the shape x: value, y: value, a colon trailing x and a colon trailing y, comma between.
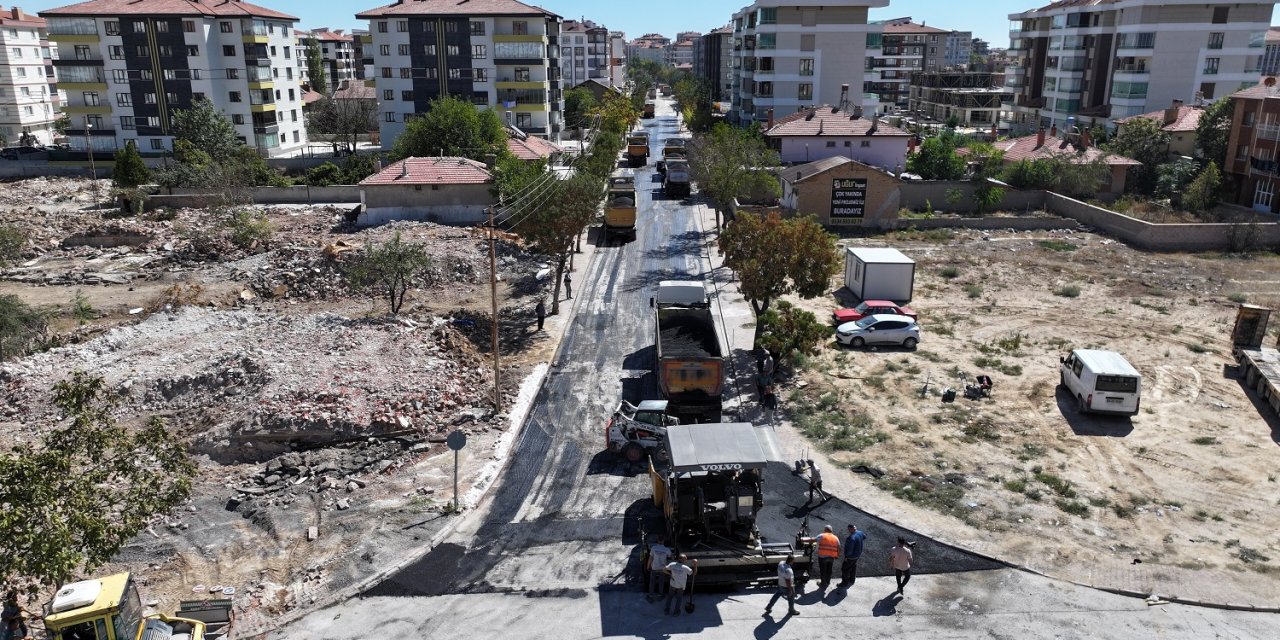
x: 1190, y: 484
x: 305, y: 405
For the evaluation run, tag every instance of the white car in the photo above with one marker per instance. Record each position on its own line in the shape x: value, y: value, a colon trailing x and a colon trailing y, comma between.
x: 881, y: 328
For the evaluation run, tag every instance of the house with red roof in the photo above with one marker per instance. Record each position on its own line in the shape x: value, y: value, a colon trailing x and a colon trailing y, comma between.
x: 826, y: 131
x: 1074, y: 148
x: 447, y: 190
x: 1179, y: 121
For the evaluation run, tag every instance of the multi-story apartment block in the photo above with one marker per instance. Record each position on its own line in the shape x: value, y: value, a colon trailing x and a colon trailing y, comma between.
x: 362, y: 45
x: 981, y: 47
x: 501, y: 54
x: 29, y: 99
x: 617, y: 58
x: 787, y: 56
x: 336, y: 49
x: 712, y: 57
x: 1107, y: 59
x: 958, y: 49
x: 128, y: 66
x: 650, y: 46
x: 1252, y: 166
x: 906, y: 47
x: 584, y: 52
x: 1271, y: 53
x: 973, y: 98
x: 680, y: 54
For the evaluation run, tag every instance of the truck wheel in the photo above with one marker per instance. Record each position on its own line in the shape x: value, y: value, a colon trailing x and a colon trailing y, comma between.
x: 858, y: 342
x: 633, y: 452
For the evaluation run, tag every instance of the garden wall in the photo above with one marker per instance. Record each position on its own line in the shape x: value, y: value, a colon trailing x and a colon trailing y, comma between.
x: 301, y: 194
x: 1169, y: 237
x: 919, y: 195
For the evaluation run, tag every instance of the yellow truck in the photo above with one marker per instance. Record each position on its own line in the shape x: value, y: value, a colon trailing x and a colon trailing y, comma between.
x: 648, y: 110
x: 638, y: 148
x: 110, y: 609
x: 620, y: 208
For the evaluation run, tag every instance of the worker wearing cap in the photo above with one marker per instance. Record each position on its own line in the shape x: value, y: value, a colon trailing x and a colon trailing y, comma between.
x: 828, y: 551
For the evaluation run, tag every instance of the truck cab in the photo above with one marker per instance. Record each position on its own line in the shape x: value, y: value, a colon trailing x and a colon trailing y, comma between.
x: 648, y: 110
x: 109, y: 609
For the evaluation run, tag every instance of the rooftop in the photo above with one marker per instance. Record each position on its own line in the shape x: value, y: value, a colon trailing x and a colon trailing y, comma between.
x: 801, y: 172
x: 457, y: 8
x: 211, y: 8
x: 826, y: 120
x: 1185, y: 120
x: 1026, y: 148
x: 1258, y: 92
x: 441, y: 170
x: 531, y: 148
x: 911, y: 27
x: 16, y: 17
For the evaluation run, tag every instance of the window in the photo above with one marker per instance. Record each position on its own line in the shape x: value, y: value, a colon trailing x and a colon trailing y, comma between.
x: 17, y: 52
x: 144, y: 51
x: 1220, y: 15
x: 807, y: 42
x: 292, y: 96
x: 126, y: 122
x: 382, y: 27
x: 124, y: 99
x: 293, y: 114
x: 1211, y: 66
x: 170, y: 97
x: 237, y: 119
x: 162, y: 27
x: 1248, y: 119
x: 451, y: 27
x: 403, y: 49
x: 116, y: 52
x: 402, y: 26
x: 524, y: 120
x: 806, y: 91
x: 189, y: 26
x: 520, y: 28
x: 806, y: 66
x: 479, y: 51
x: 82, y: 52
x: 429, y: 49
x: 407, y: 96
x: 273, y: 52
x: 1215, y: 39
x: 113, y: 27
x: 831, y: 144
x: 119, y: 76
x: 767, y: 41
x: 389, y: 116
x: 406, y: 72
x: 233, y: 73
x: 196, y: 96
x: 228, y: 51
x: 139, y: 26
x: 157, y: 144
x: 165, y: 51
x: 865, y: 144
x: 522, y: 74
x: 149, y: 98
x: 764, y: 89
x: 1206, y: 89
x: 288, y: 53
x: 234, y: 96
x: 388, y: 94
x: 224, y: 27
x: 386, y: 72
x: 1242, y: 152
x: 477, y: 28
x: 193, y: 50
x: 480, y: 75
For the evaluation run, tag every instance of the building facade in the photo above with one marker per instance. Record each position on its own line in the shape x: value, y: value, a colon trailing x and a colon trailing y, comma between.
x: 29, y: 100
x: 906, y: 47
x: 500, y: 54
x: 712, y: 56
x: 337, y: 50
x: 650, y: 46
x: 617, y: 58
x: 362, y: 47
x: 973, y: 98
x: 1271, y: 53
x: 680, y: 53
x: 1252, y: 166
x: 959, y: 48
x: 826, y: 131
x: 786, y: 58
x: 1108, y: 59
x: 584, y: 52
x: 126, y: 67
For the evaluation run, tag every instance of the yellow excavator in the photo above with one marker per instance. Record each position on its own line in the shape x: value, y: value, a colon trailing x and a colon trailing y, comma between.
x: 110, y: 609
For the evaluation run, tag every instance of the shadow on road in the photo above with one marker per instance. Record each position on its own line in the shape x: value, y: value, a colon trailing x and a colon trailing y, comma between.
x: 614, y: 464
x: 679, y: 246
x: 1084, y: 424
x: 887, y: 605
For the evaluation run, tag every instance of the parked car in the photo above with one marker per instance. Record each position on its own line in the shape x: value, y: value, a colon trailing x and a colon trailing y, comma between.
x: 12, y: 153
x: 870, y: 308
x: 880, y: 329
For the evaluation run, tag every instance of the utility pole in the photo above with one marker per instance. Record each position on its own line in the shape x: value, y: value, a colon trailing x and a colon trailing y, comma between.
x: 93, y: 170
x: 493, y: 294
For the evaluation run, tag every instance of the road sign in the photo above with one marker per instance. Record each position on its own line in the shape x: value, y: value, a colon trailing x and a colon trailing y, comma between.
x: 456, y: 440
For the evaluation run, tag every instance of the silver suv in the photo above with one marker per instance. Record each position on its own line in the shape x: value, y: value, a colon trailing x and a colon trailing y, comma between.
x: 880, y: 328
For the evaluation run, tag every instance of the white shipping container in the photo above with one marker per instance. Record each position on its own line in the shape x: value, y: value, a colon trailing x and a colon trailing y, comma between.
x: 879, y: 274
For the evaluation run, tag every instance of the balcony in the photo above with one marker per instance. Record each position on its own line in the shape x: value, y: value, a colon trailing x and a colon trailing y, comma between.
x: 1101, y: 111
x: 1029, y: 102
x: 91, y: 61
x: 1260, y: 167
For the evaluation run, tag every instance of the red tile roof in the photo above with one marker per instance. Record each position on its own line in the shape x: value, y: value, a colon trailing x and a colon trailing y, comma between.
x: 212, y: 8
x: 309, y: 97
x: 1024, y: 148
x: 326, y: 35
x: 826, y: 120
x: 912, y: 27
x: 1258, y: 92
x: 356, y: 90
x: 1187, y: 119
x: 446, y: 170
x: 16, y: 17
x: 455, y: 7
x: 531, y: 148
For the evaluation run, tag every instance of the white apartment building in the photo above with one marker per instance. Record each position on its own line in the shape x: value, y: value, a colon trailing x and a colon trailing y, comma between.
x: 618, y: 58
x: 127, y: 66
x: 1101, y: 60
x: 501, y: 54
x: 584, y: 52
x: 29, y: 98
x: 337, y: 50
x: 788, y: 56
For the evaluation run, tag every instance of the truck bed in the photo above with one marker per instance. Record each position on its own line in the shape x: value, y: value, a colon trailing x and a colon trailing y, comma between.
x: 1261, y: 369
x: 688, y: 334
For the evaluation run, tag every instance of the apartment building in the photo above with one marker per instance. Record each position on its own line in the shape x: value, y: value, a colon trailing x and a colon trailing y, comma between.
x: 1101, y: 60
x: 958, y: 48
x: 787, y: 56
x: 973, y: 98
x: 1271, y: 53
x: 712, y: 57
x: 680, y: 54
x: 29, y: 100
x: 650, y: 46
x: 127, y: 66
x: 584, y: 52
x: 362, y: 46
x: 501, y: 54
x: 1252, y: 167
x: 617, y: 58
x: 906, y: 47
x: 337, y: 50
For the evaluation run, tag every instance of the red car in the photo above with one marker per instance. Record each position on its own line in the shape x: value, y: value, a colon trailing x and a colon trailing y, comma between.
x: 871, y: 307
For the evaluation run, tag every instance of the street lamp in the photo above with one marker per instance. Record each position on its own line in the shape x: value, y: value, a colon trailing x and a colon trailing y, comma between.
x: 93, y: 170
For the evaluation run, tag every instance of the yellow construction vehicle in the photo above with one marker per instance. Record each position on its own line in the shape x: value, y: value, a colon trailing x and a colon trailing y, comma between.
x: 110, y: 609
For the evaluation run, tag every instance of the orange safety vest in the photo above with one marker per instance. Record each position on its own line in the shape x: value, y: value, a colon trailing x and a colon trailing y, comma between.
x: 828, y: 545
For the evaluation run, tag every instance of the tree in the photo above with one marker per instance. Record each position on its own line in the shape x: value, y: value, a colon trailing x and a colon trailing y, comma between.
x: 1144, y: 140
x: 553, y: 227
x: 1214, y: 129
x: 789, y: 330
x: 205, y: 130
x: 987, y: 164
x: 730, y: 163
x: 62, y: 125
x: 73, y: 501
x: 616, y: 114
x: 1174, y: 177
x: 511, y: 176
x: 342, y: 119
x: 452, y: 127
x: 389, y: 269
x: 129, y: 170
x: 210, y: 156
x: 1202, y: 194
x: 315, y: 66
x: 81, y: 310
x: 774, y: 256
x: 20, y: 327
x: 1062, y: 173
x: 324, y: 175
x: 578, y: 105
x: 937, y: 159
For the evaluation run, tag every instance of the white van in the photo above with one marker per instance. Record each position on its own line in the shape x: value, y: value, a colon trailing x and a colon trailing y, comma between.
x: 1102, y: 382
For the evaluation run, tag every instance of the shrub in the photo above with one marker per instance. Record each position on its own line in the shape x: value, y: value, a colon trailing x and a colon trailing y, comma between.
x: 1067, y: 291
x: 324, y: 175
x: 950, y: 272
x: 249, y: 228
x: 12, y: 240
x: 789, y: 331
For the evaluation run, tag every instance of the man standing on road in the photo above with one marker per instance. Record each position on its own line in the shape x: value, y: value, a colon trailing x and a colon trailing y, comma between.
x: 900, y: 561
x: 815, y: 483
x: 852, y: 551
x: 828, y: 551
x: 568, y: 286
x: 541, y: 311
x: 679, y: 572
x: 786, y: 587
x: 659, y: 556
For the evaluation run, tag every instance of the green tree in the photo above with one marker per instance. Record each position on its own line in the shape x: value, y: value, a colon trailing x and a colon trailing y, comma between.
x: 62, y: 124
x: 389, y: 269
x: 616, y: 114
x: 358, y: 166
x: 774, y: 256
x: 452, y: 127
x: 20, y: 327
x: 129, y: 170
x: 1174, y: 177
x: 324, y: 175
x: 12, y: 239
x: 316, y: 74
x: 1142, y: 139
x: 936, y: 159
x: 789, y: 330
x: 342, y: 120
x: 987, y: 164
x: 89, y: 487
x: 205, y: 131
x: 1062, y: 173
x: 511, y: 176
x: 553, y: 227
x: 730, y: 163
x: 578, y: 106
x: 1202, y: 194
x: 1214, y: 130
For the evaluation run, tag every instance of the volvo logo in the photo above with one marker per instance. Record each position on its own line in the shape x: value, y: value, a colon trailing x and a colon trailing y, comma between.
x: 721, y: 467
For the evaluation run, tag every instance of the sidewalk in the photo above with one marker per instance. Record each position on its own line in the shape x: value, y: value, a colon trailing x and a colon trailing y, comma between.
x: 1244, y: 591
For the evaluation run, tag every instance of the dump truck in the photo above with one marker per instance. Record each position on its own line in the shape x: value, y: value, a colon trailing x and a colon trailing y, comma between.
x: 675, y: 181
x: 620, y: 207
x: 709, y: 485
x: 648, y: 110
x: 672, y: 149
x: 1258, y: 363
x: 109, y: 608
x: 638, y: 148
x: 689, y: 360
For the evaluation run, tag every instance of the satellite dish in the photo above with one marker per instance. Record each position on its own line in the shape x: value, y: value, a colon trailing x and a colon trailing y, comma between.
x: 1269, y: 81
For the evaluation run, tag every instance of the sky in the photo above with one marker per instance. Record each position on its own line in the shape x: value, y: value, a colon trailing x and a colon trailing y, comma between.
x: 638, y: 17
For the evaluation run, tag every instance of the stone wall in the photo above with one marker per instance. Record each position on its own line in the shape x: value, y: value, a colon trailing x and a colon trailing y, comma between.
x: 302, y: 194
x: 1169, y: 237
x: 919, y: 195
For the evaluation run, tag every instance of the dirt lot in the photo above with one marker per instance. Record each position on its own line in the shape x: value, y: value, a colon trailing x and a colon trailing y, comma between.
x: 1190, y: 485
x: 305, y: 404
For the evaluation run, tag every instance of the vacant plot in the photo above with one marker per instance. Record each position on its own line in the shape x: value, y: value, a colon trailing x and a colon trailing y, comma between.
x: 1189, y: 484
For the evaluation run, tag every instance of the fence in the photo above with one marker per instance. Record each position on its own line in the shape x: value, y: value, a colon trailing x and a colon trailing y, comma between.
x: 302, y: 194
x: 1203, y: 236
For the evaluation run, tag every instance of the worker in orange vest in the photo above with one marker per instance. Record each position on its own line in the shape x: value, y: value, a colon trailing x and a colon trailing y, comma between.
x: 828, y: 551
